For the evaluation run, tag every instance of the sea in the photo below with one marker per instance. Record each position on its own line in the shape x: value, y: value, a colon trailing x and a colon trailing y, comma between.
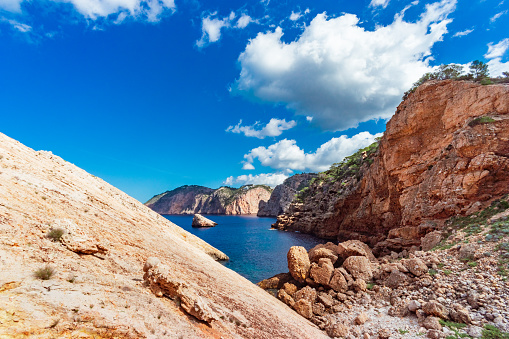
x: 256, y: 251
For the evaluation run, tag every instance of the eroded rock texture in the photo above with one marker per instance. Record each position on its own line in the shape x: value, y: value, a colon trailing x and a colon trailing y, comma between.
x: 445, y: 152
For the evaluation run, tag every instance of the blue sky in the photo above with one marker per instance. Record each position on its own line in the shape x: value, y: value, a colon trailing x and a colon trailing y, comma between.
x: 151, y: 95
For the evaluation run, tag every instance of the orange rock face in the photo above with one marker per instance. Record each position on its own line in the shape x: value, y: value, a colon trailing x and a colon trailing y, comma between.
x: 445, y: 152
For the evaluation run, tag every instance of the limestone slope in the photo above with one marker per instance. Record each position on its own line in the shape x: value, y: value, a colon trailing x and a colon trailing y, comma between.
x: 98, y: 287
x: 198, y: 199
x: 445, y: 152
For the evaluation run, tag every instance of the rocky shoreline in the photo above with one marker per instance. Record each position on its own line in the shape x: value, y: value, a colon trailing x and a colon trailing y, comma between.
x: 456, y: 287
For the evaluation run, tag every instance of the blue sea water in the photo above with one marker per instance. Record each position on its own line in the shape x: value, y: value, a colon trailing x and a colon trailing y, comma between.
x: 256, y: 252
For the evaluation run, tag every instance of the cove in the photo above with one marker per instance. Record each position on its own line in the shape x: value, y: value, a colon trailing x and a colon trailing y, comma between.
x: 256, y: 251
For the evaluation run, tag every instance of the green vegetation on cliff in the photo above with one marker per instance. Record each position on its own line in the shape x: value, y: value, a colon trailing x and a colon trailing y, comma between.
x: 479, y: 72
x: 343, y: 171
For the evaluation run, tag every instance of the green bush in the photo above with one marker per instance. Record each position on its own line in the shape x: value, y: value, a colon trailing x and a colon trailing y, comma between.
x: 44, y: 273
x: 55, y: 234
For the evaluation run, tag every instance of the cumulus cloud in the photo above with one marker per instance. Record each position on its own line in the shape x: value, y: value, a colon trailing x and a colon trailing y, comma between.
x: 379, y: 3
x: 463, y: 33
x: 211, y: 26
x: 286, y: 155
x: 93, y: 9
x: 495, y: 53
x: 270, y: 179
x: 337, y: 71
x: 273, y: 128
x: 496, y: 16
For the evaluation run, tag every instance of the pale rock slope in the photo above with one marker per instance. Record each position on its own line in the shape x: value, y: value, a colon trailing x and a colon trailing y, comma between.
x: 98, y: 289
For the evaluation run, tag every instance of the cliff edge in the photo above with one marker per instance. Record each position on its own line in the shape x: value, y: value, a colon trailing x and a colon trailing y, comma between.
x: 445, y: 152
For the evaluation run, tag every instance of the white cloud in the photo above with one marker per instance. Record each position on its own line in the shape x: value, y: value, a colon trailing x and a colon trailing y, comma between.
x: 270, y: 179
x: 496, y: 16
x: 93, y: 9
x: 243, y: 21
x: 338, y: 72
x: 495, y: 53
x: 20, y: 27
x: 497, y: 50
x: 286, y: 155
x: 11, y: 5
x: 295, y: 16
x: 211, y: 27
x: 273, y: 129
x: 378, y: 3
x: 463, y: 33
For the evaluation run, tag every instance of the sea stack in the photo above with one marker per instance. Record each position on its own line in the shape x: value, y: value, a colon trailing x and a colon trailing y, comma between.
x: 200, y: 221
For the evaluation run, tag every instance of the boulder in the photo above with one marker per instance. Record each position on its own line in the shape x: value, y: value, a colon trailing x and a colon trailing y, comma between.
x: 298, y: 263
x: 200, y: 221
x: 321, y: 273
x: 337, y: 331
x: 285, y: 297
x: 436, y: 309
x: 307, y: 293
x: 359, y: 285
x: 415, y: 265
x: 275, y: 282
x: 318, y: 309
x: 304, y: 308
x: 338, y: 282
x: 355, y: 248
x: 290, y: 288
x: 414, y: 305
x: 460, y: 314
x: 359, y: 267
x: 467, y: 251
x: 432, y: 323
x: 325, y: 299
x: 316, y: 253
x: 430, y: 240
x: 361, y: 318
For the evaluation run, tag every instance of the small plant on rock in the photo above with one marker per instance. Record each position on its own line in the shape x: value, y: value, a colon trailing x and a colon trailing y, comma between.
x: 44, y: 273
x: 56, y: 234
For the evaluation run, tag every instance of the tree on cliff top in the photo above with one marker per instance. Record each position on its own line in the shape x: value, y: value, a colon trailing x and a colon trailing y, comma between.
x: 479, y: 70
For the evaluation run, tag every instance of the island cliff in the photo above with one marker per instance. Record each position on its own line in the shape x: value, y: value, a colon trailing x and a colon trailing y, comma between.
x: 445, y: 152
x: 203, y: 200
x: 81, y: 259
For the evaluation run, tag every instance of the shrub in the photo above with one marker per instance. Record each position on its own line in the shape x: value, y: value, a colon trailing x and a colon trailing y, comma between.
x: 491, y: 332
x: 55, y: 234
x: 44, y: 273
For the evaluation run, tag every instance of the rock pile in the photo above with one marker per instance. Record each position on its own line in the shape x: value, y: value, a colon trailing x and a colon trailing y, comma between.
x: 348, y: 292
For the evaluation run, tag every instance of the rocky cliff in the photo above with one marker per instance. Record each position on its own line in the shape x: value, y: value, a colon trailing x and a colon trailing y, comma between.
x: 78, y: 260
x: 198, y: 199
x: 283, y: 195
x: 445, y: 152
